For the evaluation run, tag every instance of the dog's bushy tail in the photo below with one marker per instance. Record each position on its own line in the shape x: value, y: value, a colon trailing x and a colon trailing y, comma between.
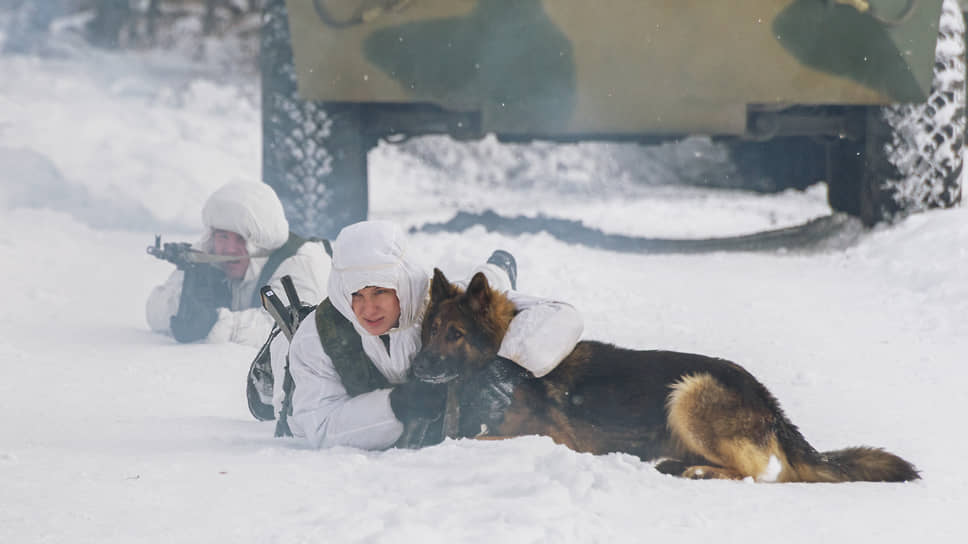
x: 860, y: 464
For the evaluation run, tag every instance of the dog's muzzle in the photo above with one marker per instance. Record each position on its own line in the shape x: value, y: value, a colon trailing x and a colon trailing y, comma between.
x: 433, y: 370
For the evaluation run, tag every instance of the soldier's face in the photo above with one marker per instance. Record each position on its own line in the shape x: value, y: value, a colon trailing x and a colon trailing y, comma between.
x: 377, y: 309
x: 226, y: 242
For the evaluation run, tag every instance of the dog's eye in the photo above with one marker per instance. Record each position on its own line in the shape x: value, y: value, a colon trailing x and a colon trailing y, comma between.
x: 454, y: 334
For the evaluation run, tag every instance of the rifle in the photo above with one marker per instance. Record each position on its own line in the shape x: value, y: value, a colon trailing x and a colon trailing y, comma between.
x: 183, y: 255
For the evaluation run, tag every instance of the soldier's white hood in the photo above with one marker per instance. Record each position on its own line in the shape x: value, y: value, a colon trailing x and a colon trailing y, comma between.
x: 250, y: 209
x: 375, y: 253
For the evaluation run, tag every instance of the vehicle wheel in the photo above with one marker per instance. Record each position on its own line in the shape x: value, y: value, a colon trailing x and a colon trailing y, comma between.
x: 313, y: 153
x: 911, y: 156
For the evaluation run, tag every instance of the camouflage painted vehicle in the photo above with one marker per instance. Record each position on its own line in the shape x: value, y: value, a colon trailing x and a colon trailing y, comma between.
x: 865, y: 94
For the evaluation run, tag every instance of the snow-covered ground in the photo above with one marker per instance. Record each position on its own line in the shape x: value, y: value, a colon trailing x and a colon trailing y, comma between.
x: 113, y: 434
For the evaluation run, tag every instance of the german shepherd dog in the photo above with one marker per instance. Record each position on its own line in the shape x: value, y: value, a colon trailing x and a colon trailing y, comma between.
x: 703, y: 417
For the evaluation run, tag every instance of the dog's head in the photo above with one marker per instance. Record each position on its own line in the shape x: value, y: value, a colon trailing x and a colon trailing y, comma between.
x: 462, y: 330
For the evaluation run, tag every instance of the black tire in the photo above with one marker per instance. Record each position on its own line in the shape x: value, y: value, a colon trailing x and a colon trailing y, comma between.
x: 313, y: 153
x: 910, y: 158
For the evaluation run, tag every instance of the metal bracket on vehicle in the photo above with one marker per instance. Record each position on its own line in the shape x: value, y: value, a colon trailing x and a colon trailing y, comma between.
x: 399, y: 123
x: 765, y: 123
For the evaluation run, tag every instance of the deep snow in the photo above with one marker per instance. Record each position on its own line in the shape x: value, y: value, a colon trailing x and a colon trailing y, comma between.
x: 114, y: 434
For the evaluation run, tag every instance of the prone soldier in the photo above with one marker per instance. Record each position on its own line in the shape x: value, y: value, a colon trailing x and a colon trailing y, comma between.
x: 213, y: 293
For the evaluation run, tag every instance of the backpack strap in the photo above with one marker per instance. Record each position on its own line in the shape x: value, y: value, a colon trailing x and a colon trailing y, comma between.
x: 287, y: 250
x: 290, y: 248
x: 288, y: 385
x: 326, y: 245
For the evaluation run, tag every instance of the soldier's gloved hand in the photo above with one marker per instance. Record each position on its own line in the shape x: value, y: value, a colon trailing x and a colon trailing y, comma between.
x: 204, y: 291
x: 418, y: 400
x: 485, y: 396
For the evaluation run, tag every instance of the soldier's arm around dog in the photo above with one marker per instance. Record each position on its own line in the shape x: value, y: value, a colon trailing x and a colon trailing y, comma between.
x: 339, y: 404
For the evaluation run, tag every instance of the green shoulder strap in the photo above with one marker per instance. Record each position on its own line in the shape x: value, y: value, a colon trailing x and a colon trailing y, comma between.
x: 287, y: 250
x: 343, y: 345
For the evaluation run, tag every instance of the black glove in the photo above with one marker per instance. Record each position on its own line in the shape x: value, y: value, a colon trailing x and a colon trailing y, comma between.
x: 486, y: 395
x: 418, y: 400
x: 205, y: 289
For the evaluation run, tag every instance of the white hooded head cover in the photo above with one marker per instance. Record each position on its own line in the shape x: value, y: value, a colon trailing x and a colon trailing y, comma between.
x: 375, y: 253
x: 250, y: 209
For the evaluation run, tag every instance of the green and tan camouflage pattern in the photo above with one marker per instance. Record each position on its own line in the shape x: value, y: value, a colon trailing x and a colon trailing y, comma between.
x: 615, y: 67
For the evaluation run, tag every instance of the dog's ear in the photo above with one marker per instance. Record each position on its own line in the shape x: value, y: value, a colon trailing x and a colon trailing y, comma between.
x: 479, y: 293
x: 440, y: 287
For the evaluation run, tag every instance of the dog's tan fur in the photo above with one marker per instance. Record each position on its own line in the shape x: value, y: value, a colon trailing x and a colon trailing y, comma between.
x: 705, y: 417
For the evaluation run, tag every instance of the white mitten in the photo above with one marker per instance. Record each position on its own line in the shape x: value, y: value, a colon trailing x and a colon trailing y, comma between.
x: 222, y: 330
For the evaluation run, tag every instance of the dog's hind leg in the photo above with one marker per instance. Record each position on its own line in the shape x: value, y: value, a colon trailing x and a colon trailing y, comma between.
x: 678, y: 467
x: 695, y: 471
x: 726, y: 426
x: 672, y: 467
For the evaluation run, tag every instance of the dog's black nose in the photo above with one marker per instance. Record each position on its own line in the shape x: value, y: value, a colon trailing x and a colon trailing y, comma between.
x: 419, y: 367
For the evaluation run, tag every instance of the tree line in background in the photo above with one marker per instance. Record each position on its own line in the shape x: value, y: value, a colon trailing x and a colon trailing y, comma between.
x: 114, y: 24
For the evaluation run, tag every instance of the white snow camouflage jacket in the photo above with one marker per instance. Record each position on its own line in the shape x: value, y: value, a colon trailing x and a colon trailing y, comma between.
x: 253, y: 211
x: 374, y: 253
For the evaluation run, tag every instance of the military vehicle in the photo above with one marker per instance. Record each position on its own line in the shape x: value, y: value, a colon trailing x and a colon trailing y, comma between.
x: 868, y: 95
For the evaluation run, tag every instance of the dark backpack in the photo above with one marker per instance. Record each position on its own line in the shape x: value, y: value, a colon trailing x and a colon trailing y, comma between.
x: 260, y: 381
